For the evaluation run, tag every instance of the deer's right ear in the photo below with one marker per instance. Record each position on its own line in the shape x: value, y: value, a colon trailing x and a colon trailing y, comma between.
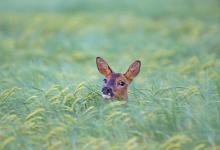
x: 103, y: 67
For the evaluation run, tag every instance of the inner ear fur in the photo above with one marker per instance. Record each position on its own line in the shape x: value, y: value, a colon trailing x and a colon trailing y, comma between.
x: 133, y: 70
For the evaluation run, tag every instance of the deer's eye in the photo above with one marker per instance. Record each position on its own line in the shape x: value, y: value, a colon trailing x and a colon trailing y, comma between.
x: 105, y: 80
x: 121, y: 83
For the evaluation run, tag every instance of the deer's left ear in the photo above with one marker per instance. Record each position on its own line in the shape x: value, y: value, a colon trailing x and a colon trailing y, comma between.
x: 133, y: 70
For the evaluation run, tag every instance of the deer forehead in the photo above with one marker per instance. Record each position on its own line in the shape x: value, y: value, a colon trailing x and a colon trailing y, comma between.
x: 114, y: 77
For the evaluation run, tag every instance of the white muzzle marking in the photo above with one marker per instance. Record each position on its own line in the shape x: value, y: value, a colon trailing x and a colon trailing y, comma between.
x: 106, y: 96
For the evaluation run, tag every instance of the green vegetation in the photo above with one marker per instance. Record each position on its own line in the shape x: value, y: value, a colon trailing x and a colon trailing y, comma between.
x: 50, y: 86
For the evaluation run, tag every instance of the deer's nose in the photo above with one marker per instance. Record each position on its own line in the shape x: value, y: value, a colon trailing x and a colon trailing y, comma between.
x: 107, y: 91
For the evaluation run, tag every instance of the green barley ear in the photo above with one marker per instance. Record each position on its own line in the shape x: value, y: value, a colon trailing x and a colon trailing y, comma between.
x: 55, y: 145
x: 6, y: 94
x: 132, y: 144
x: 53, y: 89
x: 7, y: 141
x: 176, y: 142
x: 79, y: 88
x: 200, y: 147
x: 35, y: 113
x: 54, y: 132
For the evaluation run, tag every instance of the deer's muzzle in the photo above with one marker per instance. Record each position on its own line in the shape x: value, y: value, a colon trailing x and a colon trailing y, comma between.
x: 107, y: 92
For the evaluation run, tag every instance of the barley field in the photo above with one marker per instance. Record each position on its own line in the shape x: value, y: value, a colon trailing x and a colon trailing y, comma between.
x: 50, y: 88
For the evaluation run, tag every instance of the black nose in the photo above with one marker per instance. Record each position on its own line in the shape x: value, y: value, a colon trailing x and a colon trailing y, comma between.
x: 107, y: 91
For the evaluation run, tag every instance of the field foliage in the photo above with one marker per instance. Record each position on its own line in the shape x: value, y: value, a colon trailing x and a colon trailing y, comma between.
x: 50, y: 87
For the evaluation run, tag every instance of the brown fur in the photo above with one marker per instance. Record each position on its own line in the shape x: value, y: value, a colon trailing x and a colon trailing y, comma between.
x: 113, y: 79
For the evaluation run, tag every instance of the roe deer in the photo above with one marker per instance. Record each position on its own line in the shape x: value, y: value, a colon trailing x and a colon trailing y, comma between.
x: 116, y: 84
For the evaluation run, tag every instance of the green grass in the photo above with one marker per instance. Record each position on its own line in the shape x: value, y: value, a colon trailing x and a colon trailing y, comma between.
x: 50, y: 87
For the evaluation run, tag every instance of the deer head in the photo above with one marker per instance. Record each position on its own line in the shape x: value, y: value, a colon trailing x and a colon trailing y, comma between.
x: 115, y: 85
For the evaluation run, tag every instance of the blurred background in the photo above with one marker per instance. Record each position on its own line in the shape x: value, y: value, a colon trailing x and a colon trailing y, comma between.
x: 150, y: 8
x: 56, y: 42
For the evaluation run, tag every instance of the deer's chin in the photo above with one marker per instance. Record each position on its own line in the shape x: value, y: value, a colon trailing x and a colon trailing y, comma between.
x: 106, y: 96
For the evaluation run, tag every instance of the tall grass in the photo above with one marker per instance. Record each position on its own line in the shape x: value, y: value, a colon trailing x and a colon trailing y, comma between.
x: 50, y: 87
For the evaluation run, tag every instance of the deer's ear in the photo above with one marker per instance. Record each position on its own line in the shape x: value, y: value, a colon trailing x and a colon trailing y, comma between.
x: 133, y: 70
x: 103, y: 67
